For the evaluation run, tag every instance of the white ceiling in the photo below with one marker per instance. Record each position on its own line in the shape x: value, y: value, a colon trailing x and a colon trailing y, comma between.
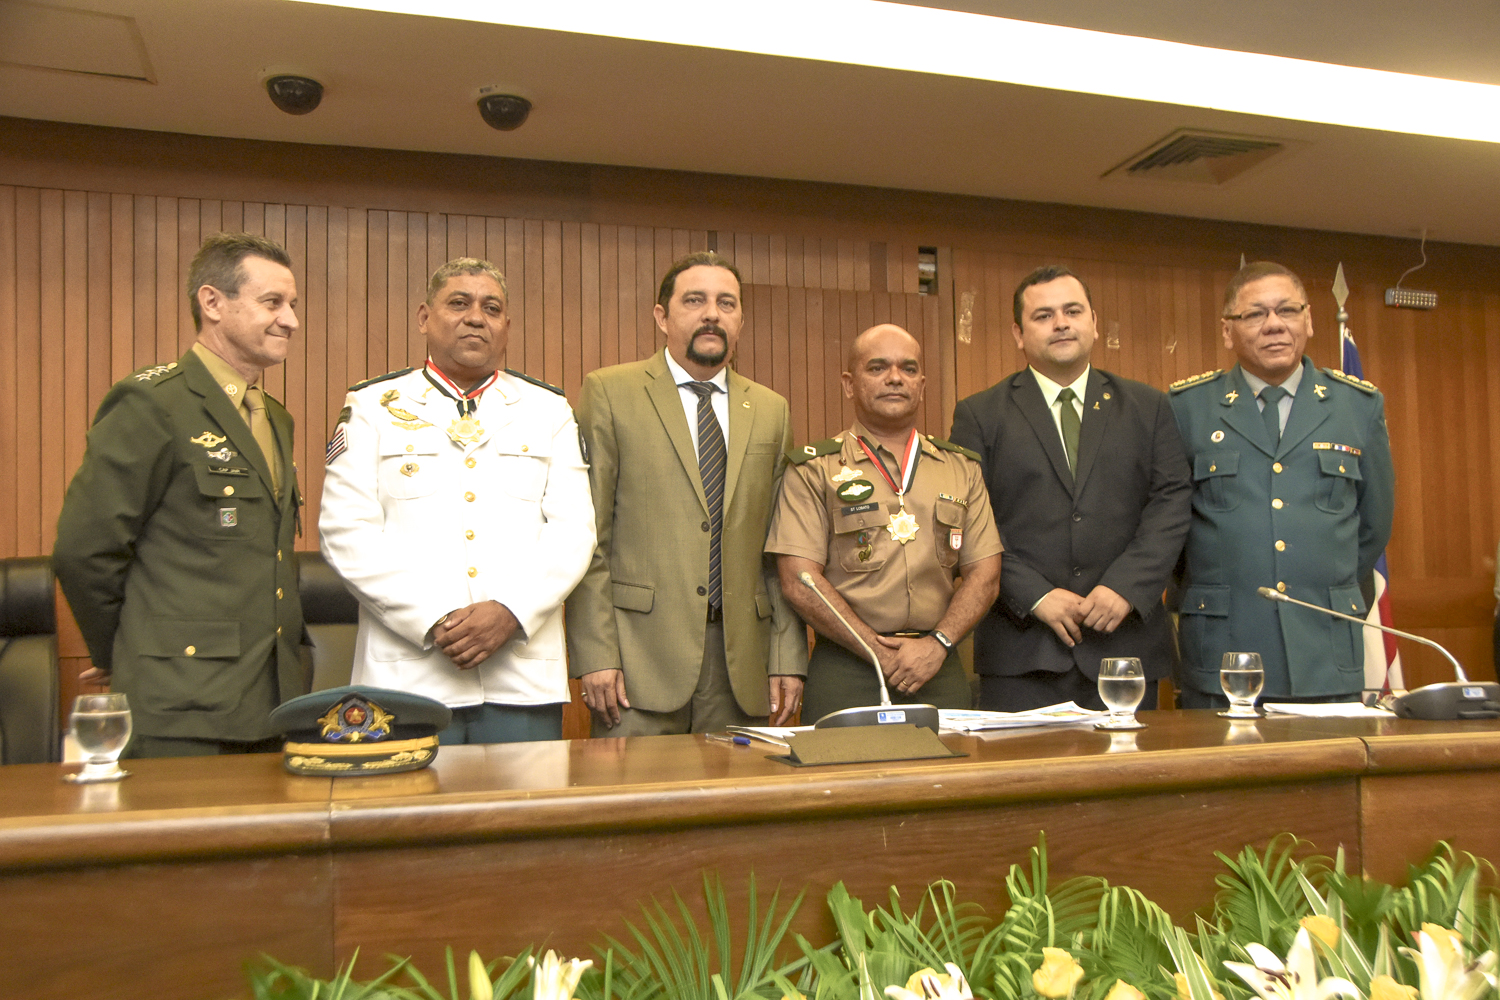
x: 405, y: 82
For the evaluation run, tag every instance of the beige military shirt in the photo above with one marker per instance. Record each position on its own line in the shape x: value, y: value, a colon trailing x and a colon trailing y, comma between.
x: 835, y: 509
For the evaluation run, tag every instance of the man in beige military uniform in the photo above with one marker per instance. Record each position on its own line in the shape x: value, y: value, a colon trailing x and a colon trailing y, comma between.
x: 895, y: 529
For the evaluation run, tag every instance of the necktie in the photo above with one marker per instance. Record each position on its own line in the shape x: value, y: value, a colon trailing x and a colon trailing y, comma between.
x: 1271, y: 414
x: 260, y: 427
x: 713, y: 456
x: 1071, y: 425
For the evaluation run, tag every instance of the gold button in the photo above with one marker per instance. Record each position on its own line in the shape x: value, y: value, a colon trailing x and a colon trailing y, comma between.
x: 278, y: 555
x: 229, y: 491
x: 411, y: 447
x: 191, y: 651
x: 473, y: 571
x: 278, y: 629
x: 1275, y: 466
x: 1281, y: 587
x: 1276, y: 504
x: 469, y: 497
x: 471, y: 463
x: 1280, y: 545
x: 1213, y: 468
x: 1341, y: 468
x: 469, y: 534
x: 278, y: 593
x: 524, y: 448
x: 1353, y: 606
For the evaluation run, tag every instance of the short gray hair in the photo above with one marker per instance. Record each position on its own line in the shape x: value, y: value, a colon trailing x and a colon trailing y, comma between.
x: 464, y: 265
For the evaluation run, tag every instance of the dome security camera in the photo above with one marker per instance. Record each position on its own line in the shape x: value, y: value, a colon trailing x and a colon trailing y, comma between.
x: 296, y: 95
x: 506, y: 112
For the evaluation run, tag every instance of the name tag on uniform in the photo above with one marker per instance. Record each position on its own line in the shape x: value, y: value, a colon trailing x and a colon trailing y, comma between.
x: 863, y: 508
x: 227, y: 470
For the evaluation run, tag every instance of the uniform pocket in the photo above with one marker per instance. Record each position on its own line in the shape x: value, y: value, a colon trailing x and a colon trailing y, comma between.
x: 949, y: 534
x: 860, y: 542
x: 1213, y: 480
x: 523, y: 467
x: 1337, y: 487
x: 408, y: 467
x: 185, y: 665
x: 232, y: 495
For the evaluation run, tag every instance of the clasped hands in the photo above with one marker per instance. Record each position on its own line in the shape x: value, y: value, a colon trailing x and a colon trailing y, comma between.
x: 1068, y: 613
x: 472, y: 634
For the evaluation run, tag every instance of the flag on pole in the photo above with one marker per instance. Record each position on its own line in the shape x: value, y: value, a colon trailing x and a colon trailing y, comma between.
x: 1382, y: 659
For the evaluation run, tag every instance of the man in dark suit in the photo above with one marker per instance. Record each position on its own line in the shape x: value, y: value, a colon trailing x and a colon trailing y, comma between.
x: 1091, y: 493
x: 174, y: 547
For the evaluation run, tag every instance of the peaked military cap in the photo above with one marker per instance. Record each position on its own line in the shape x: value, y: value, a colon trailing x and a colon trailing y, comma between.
x: 360, y: 730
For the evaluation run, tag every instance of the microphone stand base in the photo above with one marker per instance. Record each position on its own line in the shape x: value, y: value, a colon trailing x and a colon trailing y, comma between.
x: 881, y: 715
x: 1449, y: 701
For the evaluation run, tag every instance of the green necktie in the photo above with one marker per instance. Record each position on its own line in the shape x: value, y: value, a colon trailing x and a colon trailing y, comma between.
x: 1271, y: 413
x: 1071, y: 425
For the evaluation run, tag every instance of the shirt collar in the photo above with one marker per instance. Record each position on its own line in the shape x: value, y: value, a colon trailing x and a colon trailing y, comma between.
x: 859, y: 430
x: 680, y: 375
x: 1051, y: 390
x: 231, y: 381
x: 1256, y: 384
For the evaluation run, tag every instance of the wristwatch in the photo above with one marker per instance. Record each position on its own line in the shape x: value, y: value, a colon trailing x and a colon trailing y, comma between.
x: 942, y: 639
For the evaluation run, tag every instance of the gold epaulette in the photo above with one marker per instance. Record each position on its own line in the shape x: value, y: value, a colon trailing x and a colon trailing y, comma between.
x: 810, y: 451
x: 1364, y: 385
x: 950, y: 446
x: 1187, y: 383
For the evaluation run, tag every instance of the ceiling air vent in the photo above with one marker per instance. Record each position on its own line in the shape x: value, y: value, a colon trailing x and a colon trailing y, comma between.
x: 1199, y: 157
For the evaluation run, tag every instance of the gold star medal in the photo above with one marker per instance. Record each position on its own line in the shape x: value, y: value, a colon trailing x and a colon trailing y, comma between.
x: 465, y: 430
x: 903, y: 526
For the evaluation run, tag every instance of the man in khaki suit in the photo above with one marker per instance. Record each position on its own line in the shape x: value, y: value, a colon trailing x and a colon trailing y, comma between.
x: 679, y: 625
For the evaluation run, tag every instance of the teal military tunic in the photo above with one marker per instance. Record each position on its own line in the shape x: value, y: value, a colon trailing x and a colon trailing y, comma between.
x: 1308, y: 517
x: 177, y: 559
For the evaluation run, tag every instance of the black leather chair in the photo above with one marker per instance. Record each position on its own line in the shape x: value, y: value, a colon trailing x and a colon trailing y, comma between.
x: 332, y: 616
x: 28, y: 662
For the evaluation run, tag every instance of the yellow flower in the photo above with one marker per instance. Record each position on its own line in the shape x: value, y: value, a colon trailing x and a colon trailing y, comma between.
x: 1323, y: 928
x: 1182, y: 985
x: 1449, y: 943
x: 1122, y: 990
x: 1386, y: 988
x: 480, y: 987
x: 1059, y: 975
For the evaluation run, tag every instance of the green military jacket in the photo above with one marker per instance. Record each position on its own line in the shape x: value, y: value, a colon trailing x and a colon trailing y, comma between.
x: 177, y: 557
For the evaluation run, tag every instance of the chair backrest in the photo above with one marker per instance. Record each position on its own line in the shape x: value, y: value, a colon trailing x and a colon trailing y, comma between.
x: 28, y: 662
x: 332, y: 616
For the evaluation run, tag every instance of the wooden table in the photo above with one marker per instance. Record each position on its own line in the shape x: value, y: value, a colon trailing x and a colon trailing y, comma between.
x: 164, y: 884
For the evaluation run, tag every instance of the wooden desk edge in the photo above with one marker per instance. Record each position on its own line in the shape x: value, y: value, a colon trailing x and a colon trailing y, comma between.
x: 1418, y: 752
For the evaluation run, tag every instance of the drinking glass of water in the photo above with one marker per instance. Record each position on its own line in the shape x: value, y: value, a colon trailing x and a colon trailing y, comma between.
x: 101, y: 727
x: 1122, y: 685
x: 1242, y: 676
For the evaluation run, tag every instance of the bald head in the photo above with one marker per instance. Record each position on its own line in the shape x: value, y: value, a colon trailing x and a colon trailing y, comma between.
x: 885, y: 379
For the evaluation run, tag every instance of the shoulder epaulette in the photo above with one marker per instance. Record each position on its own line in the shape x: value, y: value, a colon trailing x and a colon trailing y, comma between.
x: 1364, y: 385
x: 154, y: 372
x: 535, y: 381
x: 810, y: 451
x: 1188, y: 383
x: 950, y: 446
x: 380, y: 378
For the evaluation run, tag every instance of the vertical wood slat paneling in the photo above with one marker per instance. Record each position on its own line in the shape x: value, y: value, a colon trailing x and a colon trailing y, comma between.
x: 91, y: 287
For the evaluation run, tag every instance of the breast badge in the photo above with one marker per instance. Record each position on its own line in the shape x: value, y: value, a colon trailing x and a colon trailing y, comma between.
x: 222, y: 455
x: 853, y: 492
x: 405, y: 419
x: 208, y: 439
x: 847, y: 475
x: 410, y: 469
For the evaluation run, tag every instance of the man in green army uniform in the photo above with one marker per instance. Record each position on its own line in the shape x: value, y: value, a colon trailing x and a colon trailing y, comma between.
x: 174, y: 547
x: 1293, y: 489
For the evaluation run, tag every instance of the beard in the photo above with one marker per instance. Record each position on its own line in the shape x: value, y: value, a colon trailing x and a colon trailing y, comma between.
x: 701, y: 357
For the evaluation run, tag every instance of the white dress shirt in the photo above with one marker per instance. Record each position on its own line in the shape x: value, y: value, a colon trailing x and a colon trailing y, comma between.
x: 1051, y: 390
x: 1290, y: 385
x: 719, y: 400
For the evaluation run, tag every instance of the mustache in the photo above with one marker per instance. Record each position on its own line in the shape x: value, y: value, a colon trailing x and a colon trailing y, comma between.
x: 712, y: 328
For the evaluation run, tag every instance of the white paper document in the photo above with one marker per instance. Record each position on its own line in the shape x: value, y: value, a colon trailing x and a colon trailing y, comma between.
x: 1065, y: 714
x: 1328, y: 710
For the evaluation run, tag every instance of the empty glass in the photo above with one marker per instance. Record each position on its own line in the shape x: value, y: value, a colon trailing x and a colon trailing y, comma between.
x: 1122, y: 685
x: 1242, y: 676
x: 101, y: 727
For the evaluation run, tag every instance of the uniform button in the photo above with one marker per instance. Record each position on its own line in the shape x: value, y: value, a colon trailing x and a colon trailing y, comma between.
x: 470, y: 497
x: 190, y: 651
x: 1213, y: 468
x: 1275, y: 466
x: 525, y: 448
x: 471, y: 463
x: 278, y: 629
x: 705, y: 525
x: 473, y: 571
x: 229, y: 491
x: 411, y: 447
x: 469, y: 534
x: 1280, y: 545
x: 1281, y: 587
x: 702, y: 591
x: 1077, y: 571
x: 1077, y: 517
x: 1277, y: 504
x: 278, y: 593
x: 278, y: 555
x: 1341, y: 468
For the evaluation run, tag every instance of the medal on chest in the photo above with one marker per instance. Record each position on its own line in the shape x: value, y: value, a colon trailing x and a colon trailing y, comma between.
x: 903, y: 525
x: 465, y: 430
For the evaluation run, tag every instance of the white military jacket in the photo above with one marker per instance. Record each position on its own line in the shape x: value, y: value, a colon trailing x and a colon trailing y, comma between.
x: 419, y: 526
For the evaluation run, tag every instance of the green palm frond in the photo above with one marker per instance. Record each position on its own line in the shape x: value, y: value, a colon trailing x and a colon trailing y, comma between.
x: 1128, y: 941
x: 1261, y: 899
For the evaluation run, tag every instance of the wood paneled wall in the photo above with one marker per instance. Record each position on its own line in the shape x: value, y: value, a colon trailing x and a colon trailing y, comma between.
x: 91, y: 287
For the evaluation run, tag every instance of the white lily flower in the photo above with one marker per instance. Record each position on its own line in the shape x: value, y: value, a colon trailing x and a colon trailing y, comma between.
x: 1445, y: 975
x: 555, y: 980
x: 1295, y: 980
x: 929, y: 984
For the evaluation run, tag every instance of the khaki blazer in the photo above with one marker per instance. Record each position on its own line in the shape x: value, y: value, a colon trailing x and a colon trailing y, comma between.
x: 643, y: 606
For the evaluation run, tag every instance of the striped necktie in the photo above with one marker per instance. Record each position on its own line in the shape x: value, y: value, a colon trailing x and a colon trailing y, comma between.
x: 713, y: 456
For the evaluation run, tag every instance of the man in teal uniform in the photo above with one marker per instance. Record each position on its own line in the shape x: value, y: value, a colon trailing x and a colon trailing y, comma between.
x: 174, y: 547
x: 1293, y: 489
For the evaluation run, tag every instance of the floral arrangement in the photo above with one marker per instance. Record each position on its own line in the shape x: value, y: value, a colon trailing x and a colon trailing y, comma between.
x: 1280, y: 928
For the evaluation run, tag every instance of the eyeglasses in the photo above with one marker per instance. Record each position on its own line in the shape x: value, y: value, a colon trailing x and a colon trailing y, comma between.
x: 1256, y: 318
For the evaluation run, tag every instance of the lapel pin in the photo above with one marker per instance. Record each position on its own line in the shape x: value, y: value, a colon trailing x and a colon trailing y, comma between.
x: 1231, y: 395
x: 1216, y: 436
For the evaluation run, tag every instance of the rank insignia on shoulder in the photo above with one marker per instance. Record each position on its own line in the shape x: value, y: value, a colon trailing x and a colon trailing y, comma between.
x: 147, y: 374
x: 380, y: 378
x: 1364, y: 385
x: 208, y: 439
x: 957, y: 449
x: 1192, y: 380
x: 810, y: 451
x: 344, y: 415
x: 534, y: 381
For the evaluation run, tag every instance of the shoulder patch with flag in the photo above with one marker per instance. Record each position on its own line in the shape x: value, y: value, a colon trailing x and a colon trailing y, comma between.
x: 336, y: 444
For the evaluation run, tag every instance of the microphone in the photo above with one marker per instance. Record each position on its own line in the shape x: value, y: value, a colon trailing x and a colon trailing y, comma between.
x: 1434, y: 702
x: 883, y: 714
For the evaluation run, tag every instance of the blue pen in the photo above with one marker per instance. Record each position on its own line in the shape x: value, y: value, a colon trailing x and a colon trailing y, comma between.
x: 739, y: 741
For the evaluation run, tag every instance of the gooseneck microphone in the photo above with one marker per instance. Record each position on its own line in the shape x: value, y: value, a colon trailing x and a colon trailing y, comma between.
x: 874, y: 715
x: 1434, y: 702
